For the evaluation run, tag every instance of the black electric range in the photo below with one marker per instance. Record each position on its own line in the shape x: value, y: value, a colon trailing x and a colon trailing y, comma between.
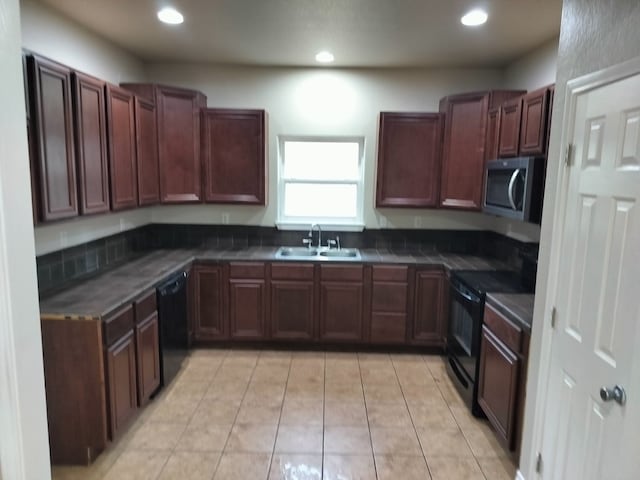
x: 468, y: 289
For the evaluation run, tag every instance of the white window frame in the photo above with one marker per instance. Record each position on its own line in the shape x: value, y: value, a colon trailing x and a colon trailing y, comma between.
x: 355, y: 224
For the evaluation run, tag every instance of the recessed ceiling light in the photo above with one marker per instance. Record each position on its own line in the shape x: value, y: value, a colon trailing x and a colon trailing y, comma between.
x: 170, y: 15
x: 474, y: 18
x: 324, y: 57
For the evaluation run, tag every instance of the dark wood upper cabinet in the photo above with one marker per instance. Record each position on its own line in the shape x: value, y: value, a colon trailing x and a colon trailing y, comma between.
x: 493, y: 134
x: 429, y: 315
x: 147, y: 152
x: 511, y: 114
x: 122, y: 148
x: 35, y: 200
x: 91, y: 143
x: 463, y: 150
x: 533, y: 130
x: 463, y: 154
x: 52, y: 121
x: 233, y: 151
x: 292, y: 301
x: 208, y: 310
x: 408, y: 171
x: 178, y: 116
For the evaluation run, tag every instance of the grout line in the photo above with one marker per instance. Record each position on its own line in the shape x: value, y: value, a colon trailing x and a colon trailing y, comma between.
x: 366, y: 412
x: 406, y: 403
x: 275, y: 440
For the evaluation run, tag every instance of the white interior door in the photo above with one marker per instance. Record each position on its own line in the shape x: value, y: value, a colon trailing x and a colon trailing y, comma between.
x: 597, y: 335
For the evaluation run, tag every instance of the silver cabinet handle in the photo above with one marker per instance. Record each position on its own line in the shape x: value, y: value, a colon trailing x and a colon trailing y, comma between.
x: 616, y: 393
x: 512, y: 184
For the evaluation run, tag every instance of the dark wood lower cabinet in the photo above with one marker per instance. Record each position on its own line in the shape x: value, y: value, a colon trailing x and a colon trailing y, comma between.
x: 430, y: 308
x: 389, y: 297
x: 207, y: 308
x: 292, y: 310
x: 122, y: 390
x: 343, y: 303
x: 247, y: 308
x: 148, y: 357
x: 498, y: 385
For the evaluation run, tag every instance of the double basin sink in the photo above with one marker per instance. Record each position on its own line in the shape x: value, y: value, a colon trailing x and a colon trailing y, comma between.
x: 323, y: 253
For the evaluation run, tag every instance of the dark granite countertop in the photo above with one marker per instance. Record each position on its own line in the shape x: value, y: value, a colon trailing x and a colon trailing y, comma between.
x: 517, y: 307
x: 96, y: 297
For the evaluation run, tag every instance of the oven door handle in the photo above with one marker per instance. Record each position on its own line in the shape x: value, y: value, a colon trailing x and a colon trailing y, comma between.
x: 512, y: 183
x: 471, y: 298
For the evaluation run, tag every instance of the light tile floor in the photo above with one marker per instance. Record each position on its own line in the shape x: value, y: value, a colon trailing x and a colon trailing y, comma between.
x: 258, y: 415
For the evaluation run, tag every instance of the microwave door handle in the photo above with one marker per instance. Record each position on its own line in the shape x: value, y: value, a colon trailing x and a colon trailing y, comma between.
x: 512, y: 184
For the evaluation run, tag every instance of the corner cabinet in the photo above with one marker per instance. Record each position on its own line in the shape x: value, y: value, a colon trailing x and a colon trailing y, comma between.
x: 53, y: 137
x: 233, y: 153
x: 178, y: 117
x: 91, y: 143
x: 147, y: 152
x: 408, y: 170
x: 122, y: 148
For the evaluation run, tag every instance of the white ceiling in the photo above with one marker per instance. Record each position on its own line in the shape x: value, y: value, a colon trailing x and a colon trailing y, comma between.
x: 360, y: 33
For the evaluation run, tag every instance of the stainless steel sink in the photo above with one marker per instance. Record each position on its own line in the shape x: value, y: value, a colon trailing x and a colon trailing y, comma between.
x: 342, y: 253
x: 296, y: 252
x: 324, y: 253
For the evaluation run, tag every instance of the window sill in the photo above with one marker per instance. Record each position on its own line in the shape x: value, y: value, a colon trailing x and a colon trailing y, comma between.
x: 328, y: 226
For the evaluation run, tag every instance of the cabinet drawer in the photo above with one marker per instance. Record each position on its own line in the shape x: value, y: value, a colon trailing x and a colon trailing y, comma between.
x: 146, y: 306
x: 297, y: 271
x: 117, y: 325
x: 389, y: 297
x: 390, y: 273
x: 503, y: 329
x: 341, y: 273
x: 246, y: 270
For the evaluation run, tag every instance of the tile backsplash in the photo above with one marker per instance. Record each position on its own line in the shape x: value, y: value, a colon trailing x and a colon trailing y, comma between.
x: 57, y: 269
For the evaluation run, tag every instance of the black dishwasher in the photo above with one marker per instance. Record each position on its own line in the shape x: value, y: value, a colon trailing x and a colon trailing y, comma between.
x: 174, y: 335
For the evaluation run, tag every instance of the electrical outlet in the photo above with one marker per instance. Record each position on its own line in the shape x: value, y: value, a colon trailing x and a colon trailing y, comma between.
x: 225, y: 218
x: 417, y: 222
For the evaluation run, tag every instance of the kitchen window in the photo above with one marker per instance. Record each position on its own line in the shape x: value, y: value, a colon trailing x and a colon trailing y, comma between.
x: 320, y: 181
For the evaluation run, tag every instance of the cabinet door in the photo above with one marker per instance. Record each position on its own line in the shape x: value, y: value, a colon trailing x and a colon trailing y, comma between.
x: 409, y: 160
x: 148, y: 357
x: 91, y: 143
x: 497, y: 387
x: 429, y: 325
x: 388, y: 307
x: 122, y: 148
x: 511, y: 112
x: 292, y: 310
x: 50, y: 87
x: 209, y: 321
x: 247, y: 309
x: 493, y: 134
x: 463, y: 150
x: 341, y: 317
x: 147, y: 152
x: 179, y: 144
x: 233, y: 156
x: 122, y: 389
x: 533, y: 130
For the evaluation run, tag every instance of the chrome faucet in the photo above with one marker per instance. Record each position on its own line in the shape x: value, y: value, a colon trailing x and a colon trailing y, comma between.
x: 315, y: 225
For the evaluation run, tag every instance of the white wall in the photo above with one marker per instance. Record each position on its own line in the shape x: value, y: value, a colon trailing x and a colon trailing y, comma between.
x: 24, y: 444
x: 325, y: 101
x: 48, y: 33
x: 535, y: 69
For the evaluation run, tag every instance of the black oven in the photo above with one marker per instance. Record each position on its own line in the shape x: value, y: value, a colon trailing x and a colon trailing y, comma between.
x: 466, y: 310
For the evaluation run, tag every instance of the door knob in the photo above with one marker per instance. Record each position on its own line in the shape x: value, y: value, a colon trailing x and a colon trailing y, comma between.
x: 616, y: 393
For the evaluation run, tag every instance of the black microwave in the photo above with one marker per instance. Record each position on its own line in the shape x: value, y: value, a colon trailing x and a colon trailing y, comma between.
x: 514, y: 188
